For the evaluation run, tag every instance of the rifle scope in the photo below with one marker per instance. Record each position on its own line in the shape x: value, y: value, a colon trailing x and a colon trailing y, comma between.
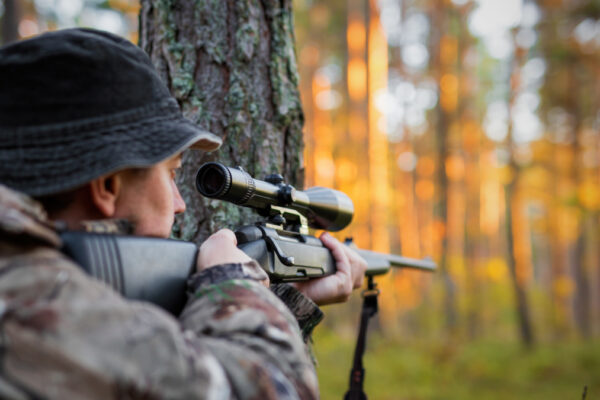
x: 324, y: 208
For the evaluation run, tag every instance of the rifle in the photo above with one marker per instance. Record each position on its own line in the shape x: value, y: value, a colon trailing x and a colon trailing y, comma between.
x: 156, y: 270
x: 284, y: 248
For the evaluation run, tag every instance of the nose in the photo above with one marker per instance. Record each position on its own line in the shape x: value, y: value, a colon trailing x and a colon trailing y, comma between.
x: 178, y: 203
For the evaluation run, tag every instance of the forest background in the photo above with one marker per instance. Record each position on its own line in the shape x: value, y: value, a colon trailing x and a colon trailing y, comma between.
x: 463, y: 130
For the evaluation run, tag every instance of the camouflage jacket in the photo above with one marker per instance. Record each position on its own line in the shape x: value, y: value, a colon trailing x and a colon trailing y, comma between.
x: 64, y: 335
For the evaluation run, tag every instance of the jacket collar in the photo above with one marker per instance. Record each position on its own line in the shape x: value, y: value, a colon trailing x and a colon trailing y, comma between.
x: 24, y: 220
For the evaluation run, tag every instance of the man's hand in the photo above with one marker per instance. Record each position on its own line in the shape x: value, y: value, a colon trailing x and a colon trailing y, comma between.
x: 336, y: 288
x: 220, y: 248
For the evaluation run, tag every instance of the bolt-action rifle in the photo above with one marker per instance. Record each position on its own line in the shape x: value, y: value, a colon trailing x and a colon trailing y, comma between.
x: 156, y: 270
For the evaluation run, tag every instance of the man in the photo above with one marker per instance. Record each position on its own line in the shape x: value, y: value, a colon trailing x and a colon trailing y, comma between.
x: 88, y: 129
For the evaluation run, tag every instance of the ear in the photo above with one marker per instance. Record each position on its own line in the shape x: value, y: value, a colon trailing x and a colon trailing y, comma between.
x: 105, y: 191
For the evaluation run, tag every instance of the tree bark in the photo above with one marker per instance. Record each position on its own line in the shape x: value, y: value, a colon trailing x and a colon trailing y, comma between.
x: 231, y: 66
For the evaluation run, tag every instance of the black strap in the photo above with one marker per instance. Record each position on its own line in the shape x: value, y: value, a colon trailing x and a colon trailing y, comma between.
x: 357, y: 375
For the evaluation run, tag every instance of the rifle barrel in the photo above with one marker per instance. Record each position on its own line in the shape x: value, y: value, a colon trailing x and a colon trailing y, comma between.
x: 380, y: 263
x: 425, y: 264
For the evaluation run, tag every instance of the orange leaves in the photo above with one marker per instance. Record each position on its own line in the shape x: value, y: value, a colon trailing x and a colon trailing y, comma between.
x: 588, y: 195
x: 536, y: 178
x: 449, y: 92
x: 309, y: 55
x: 126, y: 6
x: 320, y: 15
x: 438, y: 230
x: 325, y: 168
x: 425, y: 189
x: 347, y: 170
x: 563, y: 287
x: 448, y: 82
x: 490, y: 206
x: 471, y: 136
x: 496, y: 270
x: 357, y: 79
x: 425, y: 166
x: 378, y: 152
x: 455, y: 168
x: 356, y: 37
x: 357, y: 69
x: 448, y: 50
x: 563, y: 159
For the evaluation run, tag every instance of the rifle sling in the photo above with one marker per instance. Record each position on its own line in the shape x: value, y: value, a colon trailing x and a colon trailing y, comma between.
x: 357, y: 375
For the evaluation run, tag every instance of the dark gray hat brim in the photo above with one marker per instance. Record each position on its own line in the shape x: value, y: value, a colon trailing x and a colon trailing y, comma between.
x: 94, y: 147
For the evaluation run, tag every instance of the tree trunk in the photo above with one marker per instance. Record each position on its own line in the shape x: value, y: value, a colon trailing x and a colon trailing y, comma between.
x: 231, y: 66
x: 443, y: 119
x: 521, y: 301
x: 522, y: 305
x: 581, y: 301
x: 10, y: 21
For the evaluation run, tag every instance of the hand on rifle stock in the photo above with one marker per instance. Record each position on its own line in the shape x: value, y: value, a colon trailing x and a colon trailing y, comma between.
x: 338, y: 287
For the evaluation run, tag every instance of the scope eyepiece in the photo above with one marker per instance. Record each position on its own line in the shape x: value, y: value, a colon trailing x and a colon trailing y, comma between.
x: 213, y: 180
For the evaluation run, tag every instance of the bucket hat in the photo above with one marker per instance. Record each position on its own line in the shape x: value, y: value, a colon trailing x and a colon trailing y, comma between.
x: 77, y: 104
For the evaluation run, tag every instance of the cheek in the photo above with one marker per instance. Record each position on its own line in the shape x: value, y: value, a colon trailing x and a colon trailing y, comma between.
x: 160, y: 220
x: 166, y: 202
x: 178, y: 202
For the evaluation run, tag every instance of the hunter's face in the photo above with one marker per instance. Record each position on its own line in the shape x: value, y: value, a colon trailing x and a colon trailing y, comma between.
x: 150, y: 199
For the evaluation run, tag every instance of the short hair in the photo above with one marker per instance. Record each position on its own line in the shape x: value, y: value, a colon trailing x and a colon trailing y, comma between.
x: 55, y: 203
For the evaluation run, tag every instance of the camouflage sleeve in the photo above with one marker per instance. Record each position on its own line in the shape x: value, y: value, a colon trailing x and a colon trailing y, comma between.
x: 307, y: 313
x: 64, y: 335
x: 248, y: 325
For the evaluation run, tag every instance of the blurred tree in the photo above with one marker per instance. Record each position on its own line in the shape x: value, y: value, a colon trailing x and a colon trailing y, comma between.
x: 10, y: 21
x: 469, y: 144
x: 513, y: 208
x: 443, y: 69
x: 231, y: 65
x: 572, y: 97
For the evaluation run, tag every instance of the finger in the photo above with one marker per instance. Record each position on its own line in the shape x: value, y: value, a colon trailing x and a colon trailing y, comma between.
x: 338, y: 252
x: 344, y: 271
x: 222, y: 238
x: 358, y: 266
x: 266, y: 283
x: 225, y: 235
x: 220, y: 248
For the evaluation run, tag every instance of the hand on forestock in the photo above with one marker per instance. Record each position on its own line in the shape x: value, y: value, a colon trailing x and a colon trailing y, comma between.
x: 338, y: 287
x: 220, y: 248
